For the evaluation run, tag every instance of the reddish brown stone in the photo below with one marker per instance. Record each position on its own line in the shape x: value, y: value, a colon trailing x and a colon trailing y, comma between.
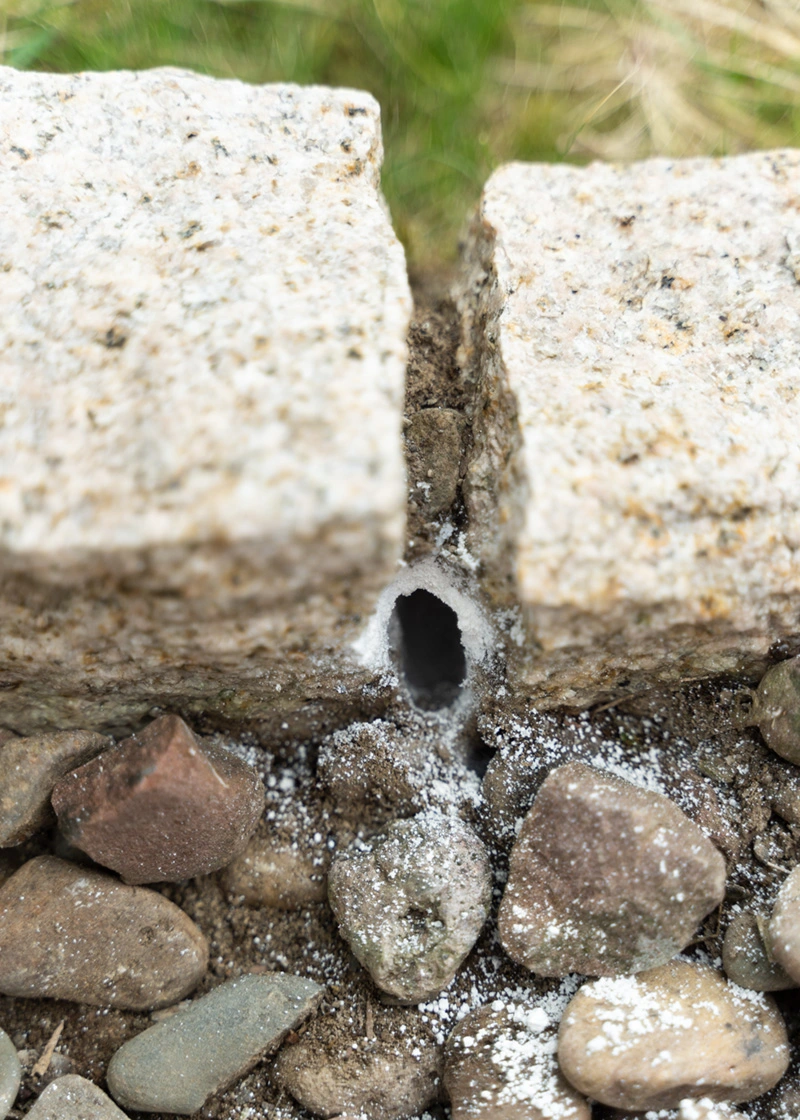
x: 161, y: 805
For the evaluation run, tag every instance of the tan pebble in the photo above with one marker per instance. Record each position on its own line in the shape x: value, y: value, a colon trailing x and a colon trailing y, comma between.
x: 746, y: 960
x: 605, y: 878
x: 680, y: 1030
x: 274, y: 871
x: 500, y: 1064
x: 374, y: 1077
x: 69, y: 932
x: 784, y: 927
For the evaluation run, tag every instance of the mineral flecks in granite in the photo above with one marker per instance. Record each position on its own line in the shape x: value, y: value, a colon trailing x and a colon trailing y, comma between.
x: 649, y: 1041
x: 201, y: 472
x: 30, y: 767
x: 412, y: 901
x: 633, y: 331
x: 69, y: 932
x: 161, y: 805
x: 605, y: 878
x: 176, y: 1065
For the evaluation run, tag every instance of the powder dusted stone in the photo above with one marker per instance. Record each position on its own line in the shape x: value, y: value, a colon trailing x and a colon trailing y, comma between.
x: 500, y: 1064
x: 179, y: 1063
x: 74, y: 1098
x: 203, y: 311
x: 412, y: 901
x: 746, y: 959
x: 377, y: 1077
x: 605, y: 878
x: 681, y: 1030
x: 784, y: 927
x: 776, y: 709
x: 68, y: 932
x: 634, y: 332
x: 161, y: 805
x: 30, y: 768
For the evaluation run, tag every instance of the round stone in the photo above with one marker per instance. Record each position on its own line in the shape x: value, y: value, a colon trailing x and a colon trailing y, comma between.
x: 784, y: 927
x: 412, y: 901
x: 776, y: 709
x: 500, y: 1064
x: 674, y: 1032
x: 746, y: 960
x: 605, y: 878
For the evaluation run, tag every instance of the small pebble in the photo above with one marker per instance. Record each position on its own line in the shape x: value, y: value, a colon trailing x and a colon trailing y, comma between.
x: 412, y: 902
x: 644, y: 1042
x: 373, y: 764
x: 176, y: 1065
x: 605, y: 878
x: 378, y: 1078
x: 784, y: 927
x: 776, y: 709
x: 746, y: 960
x: 30, y: 768
x: 72, y: 933
x: 501, y: 1065
x: 275, y: 871
x: 74, y: 1098
x: 10, y: 1074
x: 160, y: 806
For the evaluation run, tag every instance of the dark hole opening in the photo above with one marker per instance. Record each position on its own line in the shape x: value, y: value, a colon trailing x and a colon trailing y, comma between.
x: 428, y: 639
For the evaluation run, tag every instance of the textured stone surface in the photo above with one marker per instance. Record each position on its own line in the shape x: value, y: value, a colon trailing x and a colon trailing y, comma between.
x: 375, y: 765
x: 500, y: 1064
x: 776, y: 709
x: 377, y: 1077
x: 784, y: 927
x: 635, y: 331
x: 179, y: 1063
x: 206, y: 274
x: 160, y: 805
x: 30, y: 768
x: 746, y: 960
x: 677, y: 1031
x: 605, y: 878
x: 71, y: 933
x: 74, y: 1098
x: 10, y: 1074
x: 274, y: 871
x: 412, y: 901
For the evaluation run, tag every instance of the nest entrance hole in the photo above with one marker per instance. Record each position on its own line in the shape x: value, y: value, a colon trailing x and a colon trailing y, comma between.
x: 427, y: 640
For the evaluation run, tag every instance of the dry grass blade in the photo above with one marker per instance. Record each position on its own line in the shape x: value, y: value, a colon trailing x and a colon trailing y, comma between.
x: 669, y: 77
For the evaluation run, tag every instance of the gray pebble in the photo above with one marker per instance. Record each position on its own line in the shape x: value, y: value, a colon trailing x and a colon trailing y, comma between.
x: 412, y: 902
x: 746, y: 960
x: 74, y: 1098
x: 10, y: 1074
x: 176, y: 1065
x: 31, y: 767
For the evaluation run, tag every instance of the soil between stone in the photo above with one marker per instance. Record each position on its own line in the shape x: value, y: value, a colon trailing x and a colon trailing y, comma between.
x: 687, y: 741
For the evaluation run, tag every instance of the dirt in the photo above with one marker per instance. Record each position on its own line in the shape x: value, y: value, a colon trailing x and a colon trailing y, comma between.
x: 688, y: 742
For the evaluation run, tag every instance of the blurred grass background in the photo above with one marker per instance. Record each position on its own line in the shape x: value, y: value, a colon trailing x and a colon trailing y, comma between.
x: 467, y: 84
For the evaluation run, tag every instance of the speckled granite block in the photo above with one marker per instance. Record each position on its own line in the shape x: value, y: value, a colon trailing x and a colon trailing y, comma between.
x: 203, y: 311
x: 635, y: 332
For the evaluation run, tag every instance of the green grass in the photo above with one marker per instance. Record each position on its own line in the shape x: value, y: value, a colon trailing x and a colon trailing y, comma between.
x: 464, y: 84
